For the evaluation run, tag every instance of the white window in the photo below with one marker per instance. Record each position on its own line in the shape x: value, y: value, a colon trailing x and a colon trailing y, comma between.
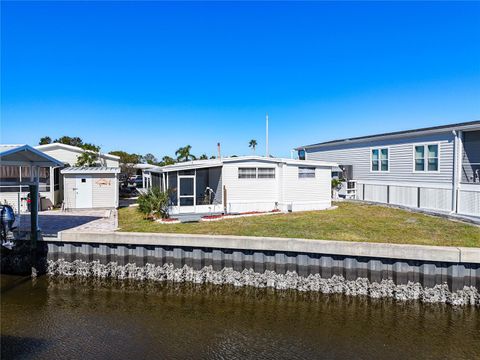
x: 247, y: 173
x: 426, y: 157
x: 306, y: 172
x: 380, y: 159
x: 266, y: 173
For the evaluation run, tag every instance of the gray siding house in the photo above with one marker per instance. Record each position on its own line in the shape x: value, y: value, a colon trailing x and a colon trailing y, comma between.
x: 436, y: 168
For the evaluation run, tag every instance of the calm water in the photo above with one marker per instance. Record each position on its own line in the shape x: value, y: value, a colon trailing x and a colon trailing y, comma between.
x: 75, y: 319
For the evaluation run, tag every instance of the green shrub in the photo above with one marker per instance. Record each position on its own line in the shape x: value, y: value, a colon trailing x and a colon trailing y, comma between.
x: 336, y: 184
x: 154, y: 204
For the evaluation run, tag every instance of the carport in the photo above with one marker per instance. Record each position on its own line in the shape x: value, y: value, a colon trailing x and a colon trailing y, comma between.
x: 25, y: 156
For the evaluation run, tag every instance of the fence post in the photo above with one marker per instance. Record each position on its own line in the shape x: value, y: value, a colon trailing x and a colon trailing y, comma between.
x: 388, y: 194
x: 363, y: 193
x: 418, y: 196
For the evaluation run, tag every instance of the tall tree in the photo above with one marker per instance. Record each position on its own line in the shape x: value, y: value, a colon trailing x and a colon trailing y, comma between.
x: 252, y: 144
x: 127, y: 161
x: 45, y: 140
x: 67, y: 140
x: 90, y: 156
x: 183, y: 153
x: 203, y: 157
x: 150, y: 159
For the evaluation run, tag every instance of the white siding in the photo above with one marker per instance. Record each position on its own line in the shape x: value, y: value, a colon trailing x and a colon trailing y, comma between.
x: 249, y: 194
x: 104, y: 191
x: 307, y: 193
x: 284, y: 192
x: 400, y: 159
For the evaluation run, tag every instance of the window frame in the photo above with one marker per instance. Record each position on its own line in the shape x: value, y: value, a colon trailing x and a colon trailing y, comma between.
x: 307, y: 177
x: 379, y: 148
x: 247, y: 178
x: 263, y: 177
x: 425, y: 151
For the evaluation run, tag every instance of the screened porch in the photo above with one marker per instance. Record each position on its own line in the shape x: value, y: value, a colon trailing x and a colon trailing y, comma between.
x: 192, y: 190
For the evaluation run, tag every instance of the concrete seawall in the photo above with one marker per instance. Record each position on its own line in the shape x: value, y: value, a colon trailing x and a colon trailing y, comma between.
x: 426, y: 265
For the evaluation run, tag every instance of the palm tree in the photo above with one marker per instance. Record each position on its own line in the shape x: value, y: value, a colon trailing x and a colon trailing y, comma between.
x: 253, y: 144
x: 203, y: 157
x: 183, y: 153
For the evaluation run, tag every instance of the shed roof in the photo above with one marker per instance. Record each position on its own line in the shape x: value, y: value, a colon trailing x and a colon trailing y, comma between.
x: 471, y: 125
x: 199, y: 164
x: 90, y: 170
x: 25, y: 155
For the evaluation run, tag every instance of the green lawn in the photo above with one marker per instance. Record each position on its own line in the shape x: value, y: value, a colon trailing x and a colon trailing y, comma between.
x: 350, y: 222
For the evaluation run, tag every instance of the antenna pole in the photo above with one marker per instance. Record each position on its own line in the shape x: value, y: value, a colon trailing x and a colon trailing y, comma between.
x: 266, y: 143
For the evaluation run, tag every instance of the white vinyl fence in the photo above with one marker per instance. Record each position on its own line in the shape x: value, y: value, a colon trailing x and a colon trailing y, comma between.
x: 437, y: 199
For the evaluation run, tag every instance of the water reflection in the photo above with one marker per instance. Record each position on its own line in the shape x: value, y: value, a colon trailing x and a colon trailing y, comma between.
x: 80, y: 318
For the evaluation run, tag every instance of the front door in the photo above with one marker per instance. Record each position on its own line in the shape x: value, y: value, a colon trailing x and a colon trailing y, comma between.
x: 83, y: 192
x: 186, y: 194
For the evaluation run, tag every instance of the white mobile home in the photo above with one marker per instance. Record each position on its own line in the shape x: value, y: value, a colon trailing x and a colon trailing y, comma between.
x: 244, y: 184
x: 436, y: 168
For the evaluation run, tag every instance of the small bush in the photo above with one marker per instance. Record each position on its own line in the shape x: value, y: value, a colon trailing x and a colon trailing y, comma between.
x: 154, y: 204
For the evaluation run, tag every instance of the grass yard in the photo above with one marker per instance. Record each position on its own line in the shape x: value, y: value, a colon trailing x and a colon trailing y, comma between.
x: 350, y: 222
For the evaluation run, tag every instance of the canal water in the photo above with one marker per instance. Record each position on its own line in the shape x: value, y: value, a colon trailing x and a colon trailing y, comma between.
x: 90, y: 319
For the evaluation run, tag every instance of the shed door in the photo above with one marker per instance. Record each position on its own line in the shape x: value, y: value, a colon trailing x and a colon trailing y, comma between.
x: 83, y: 192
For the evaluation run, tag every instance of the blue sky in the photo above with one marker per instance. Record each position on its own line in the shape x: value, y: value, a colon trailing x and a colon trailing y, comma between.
x: 151, y: 76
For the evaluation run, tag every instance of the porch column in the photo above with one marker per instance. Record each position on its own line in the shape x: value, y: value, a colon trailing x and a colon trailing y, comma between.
x: 52, y: 185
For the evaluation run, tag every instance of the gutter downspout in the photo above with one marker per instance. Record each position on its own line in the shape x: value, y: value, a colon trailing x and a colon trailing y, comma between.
x: 457, y: 166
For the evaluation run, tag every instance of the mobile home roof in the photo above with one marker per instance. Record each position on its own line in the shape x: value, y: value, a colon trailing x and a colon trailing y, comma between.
x: 471, y: 125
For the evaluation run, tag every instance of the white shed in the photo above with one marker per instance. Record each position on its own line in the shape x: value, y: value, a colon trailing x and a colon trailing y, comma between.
x: 90, y: 187
x: 247, y: 183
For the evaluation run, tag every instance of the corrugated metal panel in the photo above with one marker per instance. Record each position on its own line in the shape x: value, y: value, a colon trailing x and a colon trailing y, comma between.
x: 90, y: 170
x: 400, y: 159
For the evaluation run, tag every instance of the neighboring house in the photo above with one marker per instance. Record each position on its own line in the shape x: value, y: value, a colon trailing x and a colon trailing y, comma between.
x: 435, y: 168
x: 69, y: 154
x: 51, y: 178
x: 243, y: 184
